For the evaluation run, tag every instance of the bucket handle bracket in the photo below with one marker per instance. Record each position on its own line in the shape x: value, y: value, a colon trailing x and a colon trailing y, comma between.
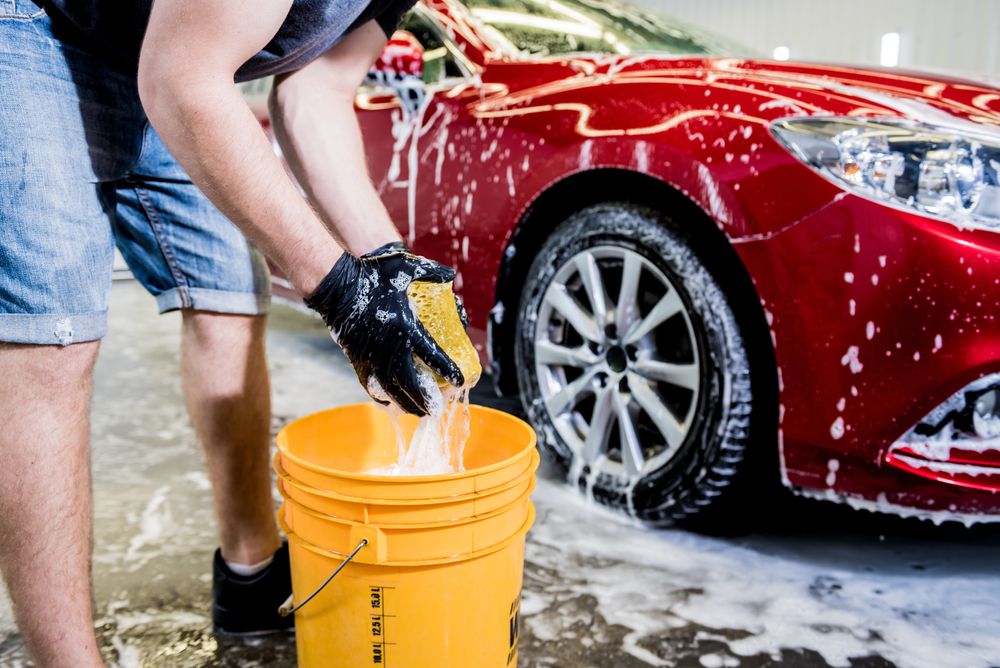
x: 289, y: 607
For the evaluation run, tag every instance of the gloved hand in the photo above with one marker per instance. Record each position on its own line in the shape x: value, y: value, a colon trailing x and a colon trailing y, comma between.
x: 363, y: 301
x: 399, y: 246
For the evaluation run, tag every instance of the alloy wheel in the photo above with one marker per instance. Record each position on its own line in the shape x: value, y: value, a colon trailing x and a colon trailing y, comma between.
x: 617, y: 361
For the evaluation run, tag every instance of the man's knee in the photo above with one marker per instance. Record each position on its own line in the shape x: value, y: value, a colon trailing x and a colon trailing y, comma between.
x: 223, y: 330
x: 50, y: 369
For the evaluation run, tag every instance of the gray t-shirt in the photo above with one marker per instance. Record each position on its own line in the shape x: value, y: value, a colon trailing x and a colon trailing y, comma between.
x: 115, y: 28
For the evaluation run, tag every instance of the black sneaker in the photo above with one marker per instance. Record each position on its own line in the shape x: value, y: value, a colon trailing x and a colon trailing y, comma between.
x: 248, y: 605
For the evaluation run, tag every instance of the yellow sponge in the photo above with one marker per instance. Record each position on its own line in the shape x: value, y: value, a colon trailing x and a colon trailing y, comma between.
x: 434, y: 304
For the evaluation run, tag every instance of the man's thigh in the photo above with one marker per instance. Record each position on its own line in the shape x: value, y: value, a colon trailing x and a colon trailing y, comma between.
x: 66, y: 127
x: 179, y: 246
x: 55, y: 243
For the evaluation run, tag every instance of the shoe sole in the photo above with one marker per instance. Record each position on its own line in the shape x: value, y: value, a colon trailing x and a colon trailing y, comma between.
x: 252, y: 634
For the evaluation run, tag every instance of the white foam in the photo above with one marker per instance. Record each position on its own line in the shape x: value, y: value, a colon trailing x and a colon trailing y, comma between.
x: 762, y: 593
x: 852, y: 360
x: 438, y: 443
x: 837, y: 428
x: 402, y: 281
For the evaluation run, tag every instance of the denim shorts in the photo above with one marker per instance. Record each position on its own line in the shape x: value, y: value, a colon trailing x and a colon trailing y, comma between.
x: 82, y: 170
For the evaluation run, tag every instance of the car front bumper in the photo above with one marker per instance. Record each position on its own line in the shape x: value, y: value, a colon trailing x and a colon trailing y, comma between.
x: 878, y: 317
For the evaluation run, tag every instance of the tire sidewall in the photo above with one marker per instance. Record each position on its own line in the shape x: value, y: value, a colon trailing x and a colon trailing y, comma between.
x: 683, y: 484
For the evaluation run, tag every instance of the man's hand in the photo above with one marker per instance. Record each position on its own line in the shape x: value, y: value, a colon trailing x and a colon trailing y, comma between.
x: 399, y: 246
x: 364, y: 303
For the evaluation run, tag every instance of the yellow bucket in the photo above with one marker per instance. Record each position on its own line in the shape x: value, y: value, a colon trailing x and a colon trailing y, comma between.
x: 383, y: 511
x: 435, y: 576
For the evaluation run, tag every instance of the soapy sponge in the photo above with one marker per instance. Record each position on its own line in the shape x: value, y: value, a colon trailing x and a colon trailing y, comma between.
x: 434, y: 305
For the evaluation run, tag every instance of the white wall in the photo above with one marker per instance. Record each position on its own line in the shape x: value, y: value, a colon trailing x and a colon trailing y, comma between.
x: 960, y: 36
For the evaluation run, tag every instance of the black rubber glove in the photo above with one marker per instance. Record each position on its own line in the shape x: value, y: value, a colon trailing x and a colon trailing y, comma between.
x: 395, y: 246
x: 363, y: 301
x: 463, y: 315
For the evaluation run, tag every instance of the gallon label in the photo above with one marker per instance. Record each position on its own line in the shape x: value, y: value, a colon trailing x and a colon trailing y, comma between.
x: 514, y: 629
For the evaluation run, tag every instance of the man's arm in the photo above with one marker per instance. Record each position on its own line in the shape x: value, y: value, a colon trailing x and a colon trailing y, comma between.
x: 314, y: 120
x: 189, y: 56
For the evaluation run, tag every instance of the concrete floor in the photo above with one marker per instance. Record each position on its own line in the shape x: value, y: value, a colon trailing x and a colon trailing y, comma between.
x: 825, y: 588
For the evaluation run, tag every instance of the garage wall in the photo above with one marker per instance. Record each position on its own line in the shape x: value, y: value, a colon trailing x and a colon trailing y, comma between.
x: 960, y: 36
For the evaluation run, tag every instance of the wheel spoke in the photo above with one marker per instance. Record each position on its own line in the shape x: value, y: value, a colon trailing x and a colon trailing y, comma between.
x: 625, y: 309
x: 666, y: 423
x: 553, y: 354
x: 681, y: 375
x: 601, y: 318
x: 565, y: 397
x: 590, y: 275
x: 560, y: 299
x: 632, y: 458
x: 596, y: 442
x: 668, y: 306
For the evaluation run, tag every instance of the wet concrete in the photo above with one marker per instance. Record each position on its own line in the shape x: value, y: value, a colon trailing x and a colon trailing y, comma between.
x: 825, y: 587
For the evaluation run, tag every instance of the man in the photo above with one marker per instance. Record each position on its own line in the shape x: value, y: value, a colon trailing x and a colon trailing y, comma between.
x: 120, y: 123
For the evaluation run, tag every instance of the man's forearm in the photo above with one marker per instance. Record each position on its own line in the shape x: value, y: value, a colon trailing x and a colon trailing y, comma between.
x: 212, y: 132
x: 313, y: 127
x: 315, y: 122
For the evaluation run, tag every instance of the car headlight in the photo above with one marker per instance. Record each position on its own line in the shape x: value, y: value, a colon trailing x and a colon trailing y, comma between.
x: 935, y: 171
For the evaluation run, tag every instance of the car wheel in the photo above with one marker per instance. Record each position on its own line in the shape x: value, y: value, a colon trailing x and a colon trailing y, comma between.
x: 633, y: 368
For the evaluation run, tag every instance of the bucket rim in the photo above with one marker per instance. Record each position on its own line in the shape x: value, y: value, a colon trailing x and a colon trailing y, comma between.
x: 282, y: 438
x: 529, y: 521
x: 417, y: 526
x: 530, y: 470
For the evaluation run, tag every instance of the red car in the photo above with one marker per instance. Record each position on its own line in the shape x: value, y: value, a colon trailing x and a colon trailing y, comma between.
x: 700, y: 270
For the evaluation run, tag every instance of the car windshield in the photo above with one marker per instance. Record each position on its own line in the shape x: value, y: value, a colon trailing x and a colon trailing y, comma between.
x: 558, y: 27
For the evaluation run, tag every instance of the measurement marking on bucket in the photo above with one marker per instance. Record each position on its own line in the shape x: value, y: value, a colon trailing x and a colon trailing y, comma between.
x: 380, y: 632
x: 515, y: 628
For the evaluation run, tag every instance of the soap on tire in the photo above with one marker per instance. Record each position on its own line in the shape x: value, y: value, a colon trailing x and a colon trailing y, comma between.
x: 634, y: 367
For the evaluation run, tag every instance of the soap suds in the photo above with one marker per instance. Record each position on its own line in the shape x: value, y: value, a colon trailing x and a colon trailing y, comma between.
x: 438, y: 443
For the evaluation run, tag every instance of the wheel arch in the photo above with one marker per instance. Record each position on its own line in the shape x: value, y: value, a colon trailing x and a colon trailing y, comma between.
x: 581, y: 189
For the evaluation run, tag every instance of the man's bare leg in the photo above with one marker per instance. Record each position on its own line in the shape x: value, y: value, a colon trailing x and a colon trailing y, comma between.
x: 224, y: 371
x: 45, y: 499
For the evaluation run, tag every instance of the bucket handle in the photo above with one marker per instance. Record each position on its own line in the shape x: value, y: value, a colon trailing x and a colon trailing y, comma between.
x: 289, y: 607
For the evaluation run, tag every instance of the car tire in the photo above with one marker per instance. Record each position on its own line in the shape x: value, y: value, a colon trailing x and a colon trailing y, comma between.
x: 701, y: 475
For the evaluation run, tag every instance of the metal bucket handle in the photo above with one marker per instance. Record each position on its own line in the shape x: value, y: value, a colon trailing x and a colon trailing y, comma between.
x: 289, y: 607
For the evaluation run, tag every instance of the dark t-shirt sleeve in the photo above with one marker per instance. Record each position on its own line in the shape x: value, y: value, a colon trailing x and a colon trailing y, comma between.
x: 114, y: 29
x: 387, y: 13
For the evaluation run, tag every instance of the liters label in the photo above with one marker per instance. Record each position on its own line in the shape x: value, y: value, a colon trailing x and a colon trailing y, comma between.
x: 378, y: 623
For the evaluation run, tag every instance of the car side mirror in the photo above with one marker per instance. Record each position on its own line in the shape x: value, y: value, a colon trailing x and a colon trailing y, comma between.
x: 401, y: 63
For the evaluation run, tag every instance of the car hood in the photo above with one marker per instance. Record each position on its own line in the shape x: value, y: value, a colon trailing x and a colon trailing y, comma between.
x: 807, y: 89
x: 868, y: 91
